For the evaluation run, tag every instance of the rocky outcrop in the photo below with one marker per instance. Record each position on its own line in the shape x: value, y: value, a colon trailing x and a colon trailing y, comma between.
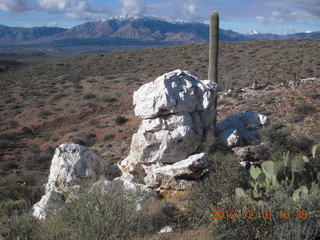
x: 72, y: 165
x: 240, y: 129
x: 178, y: 112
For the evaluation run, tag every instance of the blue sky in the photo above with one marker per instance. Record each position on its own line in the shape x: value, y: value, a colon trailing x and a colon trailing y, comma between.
x: 274, y: 16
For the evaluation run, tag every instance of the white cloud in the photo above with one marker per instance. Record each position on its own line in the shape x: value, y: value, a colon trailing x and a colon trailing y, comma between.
x: 64, y: 5
x: 133, y: 7
x: 285, y: 11
x: 310, y: 6
x: 282, y: 16
x: 192, y: 10
x: 13, y: 5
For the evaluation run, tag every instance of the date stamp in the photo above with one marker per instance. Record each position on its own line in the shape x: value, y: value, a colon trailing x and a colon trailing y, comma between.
x: 251, y: 215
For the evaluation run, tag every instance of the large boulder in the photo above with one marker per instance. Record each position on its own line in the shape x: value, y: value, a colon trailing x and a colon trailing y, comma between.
x: 72, y: 164
x: 240, y: 129
x: 178, y: 112
x: 177, y: 176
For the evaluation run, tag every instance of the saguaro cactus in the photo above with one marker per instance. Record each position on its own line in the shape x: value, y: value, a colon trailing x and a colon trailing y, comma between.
x: 214, y: 47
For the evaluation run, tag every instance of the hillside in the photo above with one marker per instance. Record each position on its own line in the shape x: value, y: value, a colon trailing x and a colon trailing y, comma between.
x: 88, y: 99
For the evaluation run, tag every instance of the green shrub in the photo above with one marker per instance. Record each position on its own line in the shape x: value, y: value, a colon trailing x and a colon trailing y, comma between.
x: 85, y: 139
x: 108, y: 137
x: 97, y: 215
x: 89, y: 96
x: 7, y: 208
x: 302, y: 110
x: 281, y: 140
x: 225, y: 176
x: 44, y: 114
x: 121, y: 120
x: 109, y: 99
x: 23, y: 227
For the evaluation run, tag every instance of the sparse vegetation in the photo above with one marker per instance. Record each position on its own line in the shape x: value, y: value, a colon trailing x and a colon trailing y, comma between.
x: 108, y: 137
x: 70, y: 99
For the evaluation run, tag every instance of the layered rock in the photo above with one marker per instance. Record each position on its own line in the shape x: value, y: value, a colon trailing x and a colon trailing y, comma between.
x: 178, y: 112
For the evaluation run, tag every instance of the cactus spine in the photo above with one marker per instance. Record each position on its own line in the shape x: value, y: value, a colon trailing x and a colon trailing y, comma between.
x: 213, y: 47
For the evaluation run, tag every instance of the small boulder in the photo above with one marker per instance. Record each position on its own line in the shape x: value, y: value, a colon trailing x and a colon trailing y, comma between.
x: 178, y: 176
x: 251, y: 153
x: 166, y: 229
x: 240, y: 129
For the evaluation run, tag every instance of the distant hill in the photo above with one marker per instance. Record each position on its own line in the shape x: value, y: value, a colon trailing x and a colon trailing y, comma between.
x: 127, y: 32
x: 19, y: 35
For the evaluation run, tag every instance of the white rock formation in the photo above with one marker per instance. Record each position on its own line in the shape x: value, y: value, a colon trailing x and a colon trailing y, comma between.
x: 174, y: 92
x: 49, y: 202
x: 72, y: 164
x: 177, y: 176
x: 166, y: 229
x: 179, y: 113
x: 240, y: 129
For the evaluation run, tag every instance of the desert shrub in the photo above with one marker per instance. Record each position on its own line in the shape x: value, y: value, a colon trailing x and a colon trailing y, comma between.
x: 23, y: 227
x: 58, y: 96
x: 108, y: 137
x: 27, y: 132
x: 85, y: 139
x: 281, y: 140
x: 301, y: 111
x: 109, y: 99
x: 89, y: 96
x: 120, y: 120
x: 225, y: 176
x: 7, y: 166
x: 165, y: 214
x: 13, y: 124
x: 7, y: 208
x: 10, y: 186
x: 96, y: 215
x: 44, y: 113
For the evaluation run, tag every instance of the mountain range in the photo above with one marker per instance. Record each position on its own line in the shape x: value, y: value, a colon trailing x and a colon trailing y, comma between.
x: 144, y: 31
